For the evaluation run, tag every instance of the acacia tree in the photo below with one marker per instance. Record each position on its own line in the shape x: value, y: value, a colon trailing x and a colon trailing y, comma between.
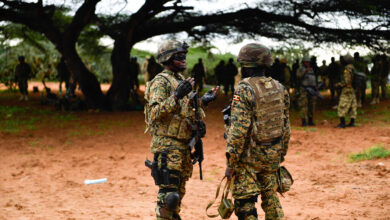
x: 283, y: 20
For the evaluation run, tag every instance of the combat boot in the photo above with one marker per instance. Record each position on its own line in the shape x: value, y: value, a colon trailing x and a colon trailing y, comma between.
x: 311, y: 123
x: 304, y: 124
x: 351, y: 123
x: 342, y: 123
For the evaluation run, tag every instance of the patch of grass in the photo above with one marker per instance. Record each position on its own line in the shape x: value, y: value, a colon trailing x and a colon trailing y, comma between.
x: 68, y: 143
x: 375, y: 152
x: 74, y: 133
x: 329, y: 114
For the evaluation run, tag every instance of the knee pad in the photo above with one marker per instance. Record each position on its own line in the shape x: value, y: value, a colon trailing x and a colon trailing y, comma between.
x: 243, y: 215
x: 172, y: 200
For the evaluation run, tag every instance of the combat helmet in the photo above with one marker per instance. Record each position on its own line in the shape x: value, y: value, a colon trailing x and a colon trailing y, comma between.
x: 306, y: 59
x: 168, y: 48
x: 253, y: 55
x: 348, y: 58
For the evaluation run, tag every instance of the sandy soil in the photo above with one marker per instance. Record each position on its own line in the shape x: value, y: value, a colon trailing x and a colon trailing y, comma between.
x: 42, y: 171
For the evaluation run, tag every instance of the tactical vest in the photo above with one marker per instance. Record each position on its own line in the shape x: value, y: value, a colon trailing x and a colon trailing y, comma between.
x: 176, y: 125
x: 309, y: 79
x: 268, y: 116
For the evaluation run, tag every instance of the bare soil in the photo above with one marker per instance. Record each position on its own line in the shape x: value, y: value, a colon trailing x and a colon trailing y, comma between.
x: 42, y: 170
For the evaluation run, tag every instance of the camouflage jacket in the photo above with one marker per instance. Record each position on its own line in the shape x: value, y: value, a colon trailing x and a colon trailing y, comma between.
x: 162, y: 111
x: 347, y: 77
x: 239, y: 132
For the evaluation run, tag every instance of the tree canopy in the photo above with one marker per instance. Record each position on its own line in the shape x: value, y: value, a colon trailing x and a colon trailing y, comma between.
x: 291, y: 21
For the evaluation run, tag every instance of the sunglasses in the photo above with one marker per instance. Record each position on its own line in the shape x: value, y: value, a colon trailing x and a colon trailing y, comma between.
x: 179, y: 56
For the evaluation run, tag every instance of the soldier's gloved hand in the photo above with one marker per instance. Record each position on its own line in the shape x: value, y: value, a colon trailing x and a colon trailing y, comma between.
x: 183, y: 88
x: 210, y: 96
x: 229, y: 173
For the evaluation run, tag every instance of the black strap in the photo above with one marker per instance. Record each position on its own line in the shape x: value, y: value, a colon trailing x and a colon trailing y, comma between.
x: 167, y: 190
x: 252, y: 199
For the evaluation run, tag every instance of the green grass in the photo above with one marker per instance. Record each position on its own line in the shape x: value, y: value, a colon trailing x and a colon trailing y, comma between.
x: 330, y: 114
x: 375, y: 152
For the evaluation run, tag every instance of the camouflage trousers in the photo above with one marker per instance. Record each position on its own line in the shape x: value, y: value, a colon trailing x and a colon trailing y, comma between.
x: 347, y: 103
x: 23, y: 86
x: 306, y: 104
x: 178, y: 160
x: 248, y: 185
x: 375, y: 88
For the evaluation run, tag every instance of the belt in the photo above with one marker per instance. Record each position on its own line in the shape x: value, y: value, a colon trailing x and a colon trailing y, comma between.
x: 270, y: 142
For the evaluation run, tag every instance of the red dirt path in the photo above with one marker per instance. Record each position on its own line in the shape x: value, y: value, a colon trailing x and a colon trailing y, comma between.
x: 42, y: 171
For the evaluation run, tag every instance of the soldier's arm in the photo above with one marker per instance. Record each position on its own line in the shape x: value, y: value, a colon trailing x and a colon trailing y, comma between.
x: 240, y: 124
x: 348, y: 76
x: 161, y: 101
x: 300, y: 72
x: 286, y: 126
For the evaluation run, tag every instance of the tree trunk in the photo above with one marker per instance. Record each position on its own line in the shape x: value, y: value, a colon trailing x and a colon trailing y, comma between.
x: 118, y: 94
x: 87, y: 81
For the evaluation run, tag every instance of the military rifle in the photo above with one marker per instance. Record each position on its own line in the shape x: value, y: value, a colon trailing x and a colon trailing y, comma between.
x: 198, y: 132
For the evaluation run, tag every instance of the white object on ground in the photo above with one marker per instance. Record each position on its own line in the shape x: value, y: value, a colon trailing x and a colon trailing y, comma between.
x: 381, y: 164
x: 95, y: 181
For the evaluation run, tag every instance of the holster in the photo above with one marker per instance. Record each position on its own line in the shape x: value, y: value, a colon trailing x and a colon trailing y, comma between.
x: 161, y: 175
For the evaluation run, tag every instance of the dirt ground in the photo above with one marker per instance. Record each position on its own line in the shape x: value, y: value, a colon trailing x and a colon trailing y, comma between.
x: 43, y: 168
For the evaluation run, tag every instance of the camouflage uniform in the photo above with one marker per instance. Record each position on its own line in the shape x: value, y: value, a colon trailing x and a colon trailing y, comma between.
x: 305, y: 101
x: 169, y: 123
x: 375, y: 79
x: 255, y: 161
x: 22, y: 74
x: 360, y: 90
x: 347, y: 103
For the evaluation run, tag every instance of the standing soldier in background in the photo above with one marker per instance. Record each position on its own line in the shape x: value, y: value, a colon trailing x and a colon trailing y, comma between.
x: 22, y: 74
x: 144, y: 69
x: 324, y: 75
x: 375, y: 79
x: 286, y: 75
x: 334, y: 78
x: 384, y: 75
x: 347, y: 103
x: 199, y: 74
x: 219, y: 70
x: 295, y: 68
x: 169, y: 117
x: 258, y: 136
x: 63, y: 75
x: 230, y: 72
x: 134, y: 71
x: 306, y: 101
x: 360, y: 87
x: 153, y: 68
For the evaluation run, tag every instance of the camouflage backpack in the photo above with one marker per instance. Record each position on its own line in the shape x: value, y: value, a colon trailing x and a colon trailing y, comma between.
x: 268, y: 116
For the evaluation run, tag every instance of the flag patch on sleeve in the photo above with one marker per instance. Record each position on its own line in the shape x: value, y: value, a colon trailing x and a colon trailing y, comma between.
x: 236, y: 98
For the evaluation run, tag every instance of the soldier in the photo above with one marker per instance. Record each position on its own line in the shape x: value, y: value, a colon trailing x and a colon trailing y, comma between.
x: 286, y: 74
x: 219, y: 70
x: 384, y: 75
x: 306, y: 101
x: 347, y: 103
x: 134, y: 70
x: 199, y: 74
x: 334, y: 78
x: 63, y: 75
x: 22, y: 74
x: 169, y: 119
x: 360, y: 87
x: 230, y: 71
x: 258, y: 136
x: 375, y: 79
x: 324, y: 75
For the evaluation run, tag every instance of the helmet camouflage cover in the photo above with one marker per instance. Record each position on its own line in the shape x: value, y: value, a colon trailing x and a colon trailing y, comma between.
x: 348, y: 58
x: 253, y: 55
x: 168, y: 48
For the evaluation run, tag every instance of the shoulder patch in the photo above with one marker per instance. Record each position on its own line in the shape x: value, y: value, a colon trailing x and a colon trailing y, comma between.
x: 236, y: 98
